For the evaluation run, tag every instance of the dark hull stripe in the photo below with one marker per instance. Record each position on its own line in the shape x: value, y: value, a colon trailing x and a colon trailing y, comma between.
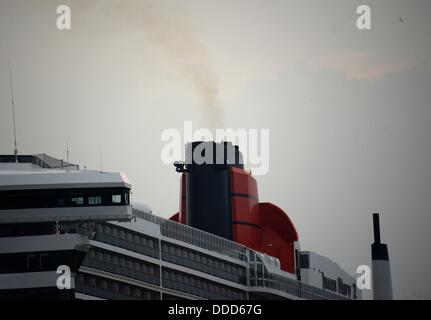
x: 46, y: 293
x: 247, y: 224
x: 22, y: 262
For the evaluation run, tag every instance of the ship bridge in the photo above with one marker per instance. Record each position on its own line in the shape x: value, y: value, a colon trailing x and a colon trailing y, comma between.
x: 40, y: 188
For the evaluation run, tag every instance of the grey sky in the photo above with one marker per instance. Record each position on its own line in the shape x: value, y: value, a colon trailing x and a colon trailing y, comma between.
x: 348, y: 110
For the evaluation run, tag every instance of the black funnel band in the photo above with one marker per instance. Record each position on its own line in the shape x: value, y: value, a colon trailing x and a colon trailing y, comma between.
x: 379, y: 251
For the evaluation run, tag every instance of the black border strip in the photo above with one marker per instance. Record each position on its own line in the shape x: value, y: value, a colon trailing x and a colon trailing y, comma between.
x: 244, y: 195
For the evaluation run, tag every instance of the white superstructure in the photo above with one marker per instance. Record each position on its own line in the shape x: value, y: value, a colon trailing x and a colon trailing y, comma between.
x: 38, y: 194
x: 52, y: 216
x: 321, y: 272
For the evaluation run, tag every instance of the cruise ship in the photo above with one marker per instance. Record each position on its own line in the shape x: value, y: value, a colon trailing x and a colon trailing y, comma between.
x: 222, y: 244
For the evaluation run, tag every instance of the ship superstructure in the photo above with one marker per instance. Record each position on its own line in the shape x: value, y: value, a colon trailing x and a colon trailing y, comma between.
x: 118, y: 250
x: 37, y: 195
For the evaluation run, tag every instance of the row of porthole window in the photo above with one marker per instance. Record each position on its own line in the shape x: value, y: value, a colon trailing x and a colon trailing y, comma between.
x: 200, y: 283
x: 123, y: 261
x: 116, y: 287
x: 102, y: 255
x: 122, y: 234
x: 202, y: 239
x: 288, y: 285
x: 200, y: 258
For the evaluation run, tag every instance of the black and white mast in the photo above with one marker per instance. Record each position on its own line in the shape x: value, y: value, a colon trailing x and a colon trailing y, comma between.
x: 15, y: 151
x: 382, y: 280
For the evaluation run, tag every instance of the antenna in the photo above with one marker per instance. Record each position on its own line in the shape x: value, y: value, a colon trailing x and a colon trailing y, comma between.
x: 67, y: 150
x: 101, y: 162
x: 15, y: 150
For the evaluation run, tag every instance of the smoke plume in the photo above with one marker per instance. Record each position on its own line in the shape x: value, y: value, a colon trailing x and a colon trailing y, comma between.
x: 170, y: 28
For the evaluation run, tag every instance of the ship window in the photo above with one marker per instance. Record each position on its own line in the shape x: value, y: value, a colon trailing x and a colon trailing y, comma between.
x: 122, y: 262
x: 102, y: 284
x: 192, y: 281
x: 80, y: 278
x: 136, y: 266
x: 91, y: 282
x: 92, y: 201
x: 124, y: 289
x: 223, y: 291
x: 32, y: 262
x: 121, y: 234
x: 147, y: 295
x: 136, y: 238
x: 136, y: 292
x: 114, y: 232
x: 151, y: 270
x: 229, y: 293
x: 116, y: 198
x: 91, y: 254
x: 107, y: 257
x: 99, y: 255
x: 113, y: 286
x: 68, y: 197
x: 304, y: 261
x: 77, y: 200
